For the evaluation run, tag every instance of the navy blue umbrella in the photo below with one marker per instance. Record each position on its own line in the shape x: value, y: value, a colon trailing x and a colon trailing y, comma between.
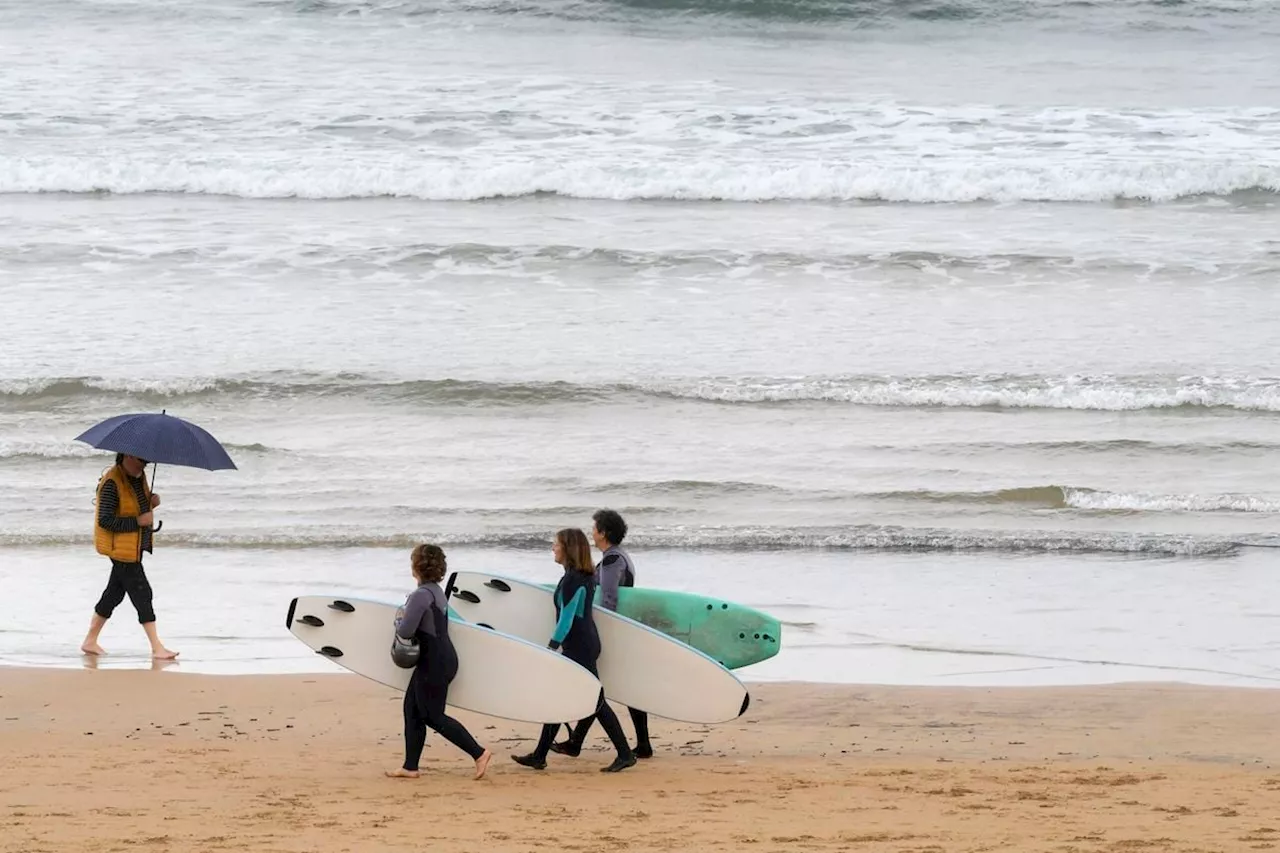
x: 159, y: 438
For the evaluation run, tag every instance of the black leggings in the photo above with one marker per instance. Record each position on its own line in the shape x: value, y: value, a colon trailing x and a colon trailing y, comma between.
x: 127, y: 579
x: 604, y: 714
x: 424, y: 706
x: 607, y: 718
x: 639, y: 719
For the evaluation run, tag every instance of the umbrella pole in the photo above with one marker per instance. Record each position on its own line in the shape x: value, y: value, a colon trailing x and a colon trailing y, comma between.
x: 154, y: 468
x: 155, y: 528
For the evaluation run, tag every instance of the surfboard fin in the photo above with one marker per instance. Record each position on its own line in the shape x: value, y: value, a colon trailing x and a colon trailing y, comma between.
x: 313, y: 621
x: 500, y: 585
x: 467, y: 595
x: 344, y: 606
x: 329, y: 652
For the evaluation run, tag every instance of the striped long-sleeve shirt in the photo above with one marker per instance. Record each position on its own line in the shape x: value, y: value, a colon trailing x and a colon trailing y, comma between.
x: 109, y: 509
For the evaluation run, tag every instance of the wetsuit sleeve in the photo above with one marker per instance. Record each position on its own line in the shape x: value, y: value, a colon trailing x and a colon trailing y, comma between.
x: 610, y: 577
x: 415, y: 616
x: 109, y: 511
x: 575, y: 608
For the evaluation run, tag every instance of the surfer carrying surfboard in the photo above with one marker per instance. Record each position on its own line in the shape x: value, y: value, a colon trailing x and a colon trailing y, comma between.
x: 575, y: 631
x: 616, y: 570
x: 426, y: 620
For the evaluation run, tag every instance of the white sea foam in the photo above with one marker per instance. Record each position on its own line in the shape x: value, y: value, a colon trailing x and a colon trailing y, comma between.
x: 1144, y: 502
x: 1096, y: 393
x: 687, y: 179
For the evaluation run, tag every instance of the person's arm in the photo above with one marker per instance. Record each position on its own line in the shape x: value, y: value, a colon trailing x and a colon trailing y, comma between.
x: 109, y: 517
x: 416, y: 616
x: 610, y: 577
x: 571, y: 611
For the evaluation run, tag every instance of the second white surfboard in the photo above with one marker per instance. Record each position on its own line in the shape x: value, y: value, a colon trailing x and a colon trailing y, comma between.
x: 639, y: 667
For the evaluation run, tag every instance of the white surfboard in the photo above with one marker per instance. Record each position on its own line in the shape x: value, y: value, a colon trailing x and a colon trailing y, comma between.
x: 639, y: 667
x: 498, y: 675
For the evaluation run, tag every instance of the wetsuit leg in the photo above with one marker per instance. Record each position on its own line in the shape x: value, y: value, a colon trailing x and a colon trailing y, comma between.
x: 578, y: 734
x: 544, y: 741
x: 113, y: 594
x: 640, y: 719
x: 613, y: 728
x: 415, y: 725
x: 433, y: 698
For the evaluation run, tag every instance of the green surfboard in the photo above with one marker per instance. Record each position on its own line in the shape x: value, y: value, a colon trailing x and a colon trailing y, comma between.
x: 735, y: 635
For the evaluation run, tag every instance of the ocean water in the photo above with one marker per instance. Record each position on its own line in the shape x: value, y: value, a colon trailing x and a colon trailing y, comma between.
x: 943, y: 330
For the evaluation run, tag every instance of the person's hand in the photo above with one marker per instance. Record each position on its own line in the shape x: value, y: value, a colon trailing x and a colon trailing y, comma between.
x: 155, y: 500
x: 144, y: 520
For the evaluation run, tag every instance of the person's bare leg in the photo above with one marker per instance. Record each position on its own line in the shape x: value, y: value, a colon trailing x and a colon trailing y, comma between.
x: 158, y: 651
x: 90, y: 645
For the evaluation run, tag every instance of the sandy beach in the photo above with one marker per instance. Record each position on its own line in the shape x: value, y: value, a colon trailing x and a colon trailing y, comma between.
x: 116, y: 760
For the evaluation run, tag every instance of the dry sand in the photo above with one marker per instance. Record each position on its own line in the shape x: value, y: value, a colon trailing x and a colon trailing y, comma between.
x: 152, y: 761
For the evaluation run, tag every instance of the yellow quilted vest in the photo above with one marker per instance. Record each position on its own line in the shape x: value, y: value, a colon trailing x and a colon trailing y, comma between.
x: 125, y: 547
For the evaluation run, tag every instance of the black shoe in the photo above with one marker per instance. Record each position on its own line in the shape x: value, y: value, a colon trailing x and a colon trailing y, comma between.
x: 530, y: 760
x: 645, y: 751
x: 622, y: 762
x: 566, y: 747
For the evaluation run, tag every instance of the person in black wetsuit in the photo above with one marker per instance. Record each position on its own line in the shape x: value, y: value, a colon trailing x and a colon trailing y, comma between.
x: 616, y: 570
x: 576, y: 631
x: 426, y: 620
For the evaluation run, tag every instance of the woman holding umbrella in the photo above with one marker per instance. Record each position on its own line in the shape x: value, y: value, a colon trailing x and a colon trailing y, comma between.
x: 122, y: 532
x: 123, y: 524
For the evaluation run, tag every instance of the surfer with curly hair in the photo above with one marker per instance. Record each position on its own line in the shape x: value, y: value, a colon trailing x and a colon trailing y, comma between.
x: 426, y: 621
x: 576, y: 633
x: 615, y: 570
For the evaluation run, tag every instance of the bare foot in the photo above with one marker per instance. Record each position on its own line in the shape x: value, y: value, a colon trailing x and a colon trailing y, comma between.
x: 93, y: 649
x: 482, y: 763
x: 401, y: 773
x: 163, y: 654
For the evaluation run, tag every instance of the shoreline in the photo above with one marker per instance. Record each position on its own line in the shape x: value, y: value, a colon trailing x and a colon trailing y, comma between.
x: 1084, y: 675
x: 139, y: 661
x: 294, y: 763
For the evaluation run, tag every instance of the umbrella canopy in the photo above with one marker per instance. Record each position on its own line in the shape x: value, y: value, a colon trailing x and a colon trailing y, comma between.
x: 160, y: 438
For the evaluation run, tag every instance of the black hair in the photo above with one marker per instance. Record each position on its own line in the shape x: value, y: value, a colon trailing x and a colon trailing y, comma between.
x: 120, y: 459
x: 611, y: 525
